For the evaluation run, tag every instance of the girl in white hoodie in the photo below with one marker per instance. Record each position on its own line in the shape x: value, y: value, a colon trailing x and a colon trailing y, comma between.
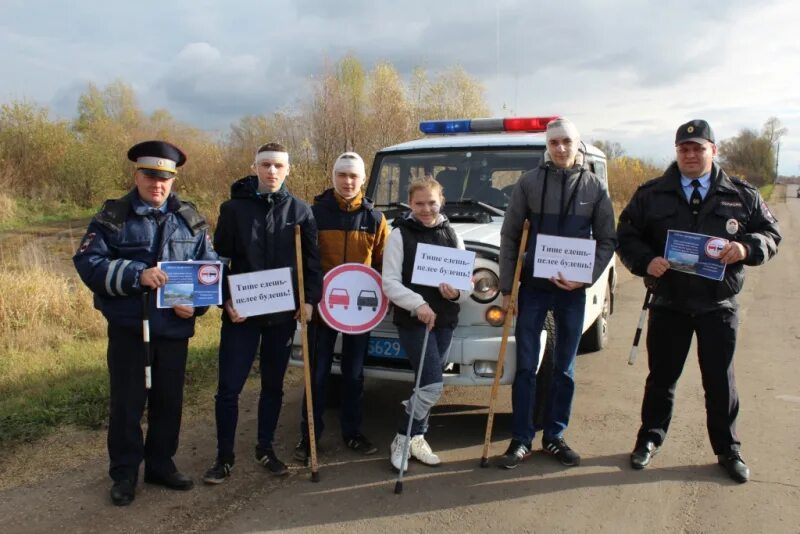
x: 419, y: 308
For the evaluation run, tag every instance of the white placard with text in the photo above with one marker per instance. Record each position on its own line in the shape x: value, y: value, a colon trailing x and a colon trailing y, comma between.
x: 570, y: 256
x: 434, y: 264
x: 262, y: 292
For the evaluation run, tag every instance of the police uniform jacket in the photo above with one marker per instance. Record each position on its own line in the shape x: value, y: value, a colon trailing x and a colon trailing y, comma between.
x: 123, y: 239
x: 256, y: 232
x: 732, y: 209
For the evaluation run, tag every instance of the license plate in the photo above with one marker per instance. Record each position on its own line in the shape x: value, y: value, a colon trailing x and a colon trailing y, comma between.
x: 385, y: 347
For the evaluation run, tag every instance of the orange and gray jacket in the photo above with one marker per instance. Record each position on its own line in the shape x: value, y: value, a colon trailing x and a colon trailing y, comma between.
x: 349, y: 231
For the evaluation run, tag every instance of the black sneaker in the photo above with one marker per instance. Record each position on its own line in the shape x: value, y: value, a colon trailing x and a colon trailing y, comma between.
x: 360, y: 443
x: 302, y: 451
x: 267, y: 458
x: 559, y: 448
x: 218, y: 472
x: 516, y: 453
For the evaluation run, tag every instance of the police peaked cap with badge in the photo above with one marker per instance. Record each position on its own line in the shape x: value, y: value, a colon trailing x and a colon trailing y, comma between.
x: 157, y: 158
x: 694, y: 131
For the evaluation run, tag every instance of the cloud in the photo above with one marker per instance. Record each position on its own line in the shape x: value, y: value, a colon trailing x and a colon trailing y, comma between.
x: 628, y: 70
x: 221, y: 87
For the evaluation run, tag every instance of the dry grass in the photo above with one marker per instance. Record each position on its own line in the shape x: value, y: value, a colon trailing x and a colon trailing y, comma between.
x: 41, y: 308
x: 8, y: 209
x: 53, y: 349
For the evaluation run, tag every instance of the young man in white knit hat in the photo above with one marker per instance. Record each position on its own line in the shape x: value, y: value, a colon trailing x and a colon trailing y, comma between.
x: 351, y: 230
x: 561, y: 197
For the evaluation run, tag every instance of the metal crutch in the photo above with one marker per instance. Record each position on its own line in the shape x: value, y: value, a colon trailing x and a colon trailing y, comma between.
x: 645, y: 306
x: 398, y: 486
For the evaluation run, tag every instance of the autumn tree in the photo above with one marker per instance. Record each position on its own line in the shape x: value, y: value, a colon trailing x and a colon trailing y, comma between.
x: 32, y: 147
x: 389, y: 111
x: 453, y: 94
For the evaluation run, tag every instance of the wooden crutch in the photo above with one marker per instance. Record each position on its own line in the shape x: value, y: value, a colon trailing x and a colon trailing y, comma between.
x: 501, y: 357
x: 312, y: 438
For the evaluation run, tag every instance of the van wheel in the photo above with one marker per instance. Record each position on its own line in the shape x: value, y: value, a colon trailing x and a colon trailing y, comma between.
x: 596, y: 337
x: 545, y: 374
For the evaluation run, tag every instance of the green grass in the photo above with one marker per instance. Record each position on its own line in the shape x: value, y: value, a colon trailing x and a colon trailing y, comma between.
x: 27, y: 212
x: 78, y: 394
x: 766, y: 191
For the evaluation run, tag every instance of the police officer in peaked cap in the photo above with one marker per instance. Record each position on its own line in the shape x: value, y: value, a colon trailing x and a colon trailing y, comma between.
x: 694, y: 195
x: 117, y: 260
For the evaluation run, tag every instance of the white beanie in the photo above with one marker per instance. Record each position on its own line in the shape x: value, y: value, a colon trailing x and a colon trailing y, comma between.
x: 560, y: 128
x: 349, y: 162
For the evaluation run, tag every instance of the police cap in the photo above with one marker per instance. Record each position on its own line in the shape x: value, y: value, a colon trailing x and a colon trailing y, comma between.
x: 157, y: 158
x: 694, y: 131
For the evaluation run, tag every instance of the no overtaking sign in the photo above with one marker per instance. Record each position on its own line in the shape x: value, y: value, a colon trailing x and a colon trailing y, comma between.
x: 352, y: 299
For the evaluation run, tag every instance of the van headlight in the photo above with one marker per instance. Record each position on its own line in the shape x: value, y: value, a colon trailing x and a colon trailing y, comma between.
x: 485, y: 284
x: 495, y: 316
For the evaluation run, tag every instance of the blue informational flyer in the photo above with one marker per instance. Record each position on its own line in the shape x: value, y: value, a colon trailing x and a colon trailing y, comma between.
x: 191, y: 283
x: 695, y: 254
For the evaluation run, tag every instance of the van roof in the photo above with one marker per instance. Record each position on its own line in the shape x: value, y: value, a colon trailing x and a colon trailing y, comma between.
x: 535, y: 140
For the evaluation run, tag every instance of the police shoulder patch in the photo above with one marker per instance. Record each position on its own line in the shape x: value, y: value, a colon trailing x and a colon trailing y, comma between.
x: 87, y: 240
x: 767, y: 214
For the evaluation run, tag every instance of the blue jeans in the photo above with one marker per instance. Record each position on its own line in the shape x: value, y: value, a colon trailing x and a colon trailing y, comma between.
x: 237, y: 350
x: 568, y: 310
x: 322, y: 339
x: 438, y: 348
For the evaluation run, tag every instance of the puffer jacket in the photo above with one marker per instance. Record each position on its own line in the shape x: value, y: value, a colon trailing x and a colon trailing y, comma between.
x: 732, y: 209
x: 255, y: 232
x: 561, y: 202
x: 126, y: 237
x: 349, y: 231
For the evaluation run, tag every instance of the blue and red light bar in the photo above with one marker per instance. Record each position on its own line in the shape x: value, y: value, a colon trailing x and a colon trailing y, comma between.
x: 511, y: 124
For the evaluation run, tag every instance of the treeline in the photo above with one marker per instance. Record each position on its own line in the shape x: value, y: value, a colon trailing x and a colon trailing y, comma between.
x: 47, y: 164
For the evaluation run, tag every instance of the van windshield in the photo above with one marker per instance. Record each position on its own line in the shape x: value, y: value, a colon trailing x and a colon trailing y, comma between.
x: 470, y: 177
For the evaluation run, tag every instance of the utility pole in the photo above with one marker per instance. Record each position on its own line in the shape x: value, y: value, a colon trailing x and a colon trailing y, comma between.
x: 777, y: 155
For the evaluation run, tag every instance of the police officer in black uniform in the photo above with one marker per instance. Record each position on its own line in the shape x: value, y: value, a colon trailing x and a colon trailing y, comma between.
x: 117, y: 261
x: 694, y: 195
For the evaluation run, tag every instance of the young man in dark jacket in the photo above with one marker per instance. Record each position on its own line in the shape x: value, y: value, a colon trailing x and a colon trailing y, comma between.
x: 117, y: 260
x: 694, y: 195
x: 560, y: 198
x: 255, y: 232
x: 351, y: 230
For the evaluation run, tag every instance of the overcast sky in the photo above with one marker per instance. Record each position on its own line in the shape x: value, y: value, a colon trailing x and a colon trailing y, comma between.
x: 623, y: 70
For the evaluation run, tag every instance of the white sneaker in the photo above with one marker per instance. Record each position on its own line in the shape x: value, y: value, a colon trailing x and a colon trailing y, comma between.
x: 422, y: 451
x: 396, y: 457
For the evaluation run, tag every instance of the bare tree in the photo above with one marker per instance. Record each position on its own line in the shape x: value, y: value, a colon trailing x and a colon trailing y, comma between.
x: 612, y: 149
